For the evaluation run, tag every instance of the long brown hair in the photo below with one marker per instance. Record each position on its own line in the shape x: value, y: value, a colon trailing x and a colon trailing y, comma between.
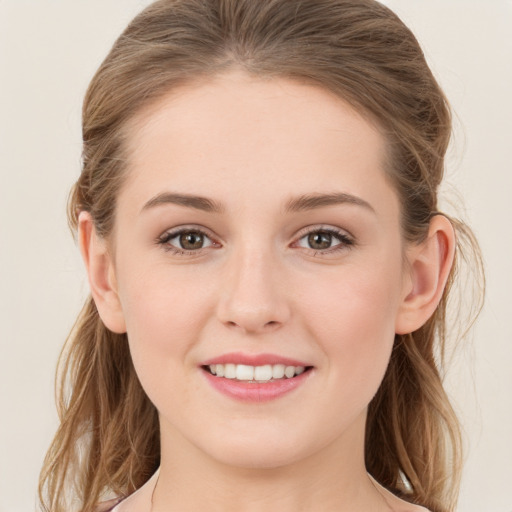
x: 108, y: 440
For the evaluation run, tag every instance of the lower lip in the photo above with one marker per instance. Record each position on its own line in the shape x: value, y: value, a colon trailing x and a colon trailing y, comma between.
x: 255, y: 391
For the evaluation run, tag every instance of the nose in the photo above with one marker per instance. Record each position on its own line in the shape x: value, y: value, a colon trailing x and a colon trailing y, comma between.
x: 253, y: 294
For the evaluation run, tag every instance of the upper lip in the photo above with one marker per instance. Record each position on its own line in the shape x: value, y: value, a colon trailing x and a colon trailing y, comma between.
x: 253, y: 360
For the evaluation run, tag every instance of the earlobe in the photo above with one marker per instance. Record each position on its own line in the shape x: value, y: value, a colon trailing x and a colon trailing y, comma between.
x: 429, y: 268
x: 100, y: 271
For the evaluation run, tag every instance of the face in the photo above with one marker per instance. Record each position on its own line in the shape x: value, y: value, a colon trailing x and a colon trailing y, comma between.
x: 257, y: 233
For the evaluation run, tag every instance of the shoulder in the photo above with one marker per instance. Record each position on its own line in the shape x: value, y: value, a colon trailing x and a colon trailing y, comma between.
x: 107, y: 506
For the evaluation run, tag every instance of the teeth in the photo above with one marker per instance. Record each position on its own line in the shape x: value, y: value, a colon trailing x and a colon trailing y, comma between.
x: 278, y: 371
x: 289, y: 372
x: 255, y: 373
x: 263, y: 372
x: 230, y: 371
x: 244, y: 372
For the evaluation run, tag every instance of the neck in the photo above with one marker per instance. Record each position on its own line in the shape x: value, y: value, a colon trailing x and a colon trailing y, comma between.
x: 333, y: 478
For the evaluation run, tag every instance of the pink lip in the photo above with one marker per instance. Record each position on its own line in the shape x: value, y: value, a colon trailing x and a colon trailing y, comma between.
x: 255, y: 392
x: 253, y: 360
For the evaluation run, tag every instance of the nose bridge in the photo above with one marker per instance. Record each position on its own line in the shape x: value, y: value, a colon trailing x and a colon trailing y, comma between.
x: 253, y: 295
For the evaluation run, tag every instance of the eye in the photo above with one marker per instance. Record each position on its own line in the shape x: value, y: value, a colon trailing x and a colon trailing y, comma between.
x: 325, y: 240
x: 185, y: 241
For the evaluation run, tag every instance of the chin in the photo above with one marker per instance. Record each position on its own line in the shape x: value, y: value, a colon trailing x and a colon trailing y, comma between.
x: 264, y: 449
x: 257, y: 457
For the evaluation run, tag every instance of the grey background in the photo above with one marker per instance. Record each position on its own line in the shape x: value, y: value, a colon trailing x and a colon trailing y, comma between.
x: 49, y: 50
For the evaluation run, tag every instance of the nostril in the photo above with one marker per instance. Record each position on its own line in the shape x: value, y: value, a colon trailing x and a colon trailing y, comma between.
x: 269, y: 324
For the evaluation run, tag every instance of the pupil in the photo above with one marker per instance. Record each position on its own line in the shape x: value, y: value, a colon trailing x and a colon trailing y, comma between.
x: 191, y: 240
x: 320, y: 240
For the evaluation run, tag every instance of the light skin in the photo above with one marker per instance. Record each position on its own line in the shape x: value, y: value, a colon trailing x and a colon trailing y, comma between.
x: 253, y: 283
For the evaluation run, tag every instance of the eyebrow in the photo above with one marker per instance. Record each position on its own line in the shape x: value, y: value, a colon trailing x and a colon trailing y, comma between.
x: 188, y: 200
x: 313, y: 201
x: 297, y: 204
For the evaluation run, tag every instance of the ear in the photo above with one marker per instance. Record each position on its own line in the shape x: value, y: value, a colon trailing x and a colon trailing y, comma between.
x: 429, y: 266
x: 100, y: 270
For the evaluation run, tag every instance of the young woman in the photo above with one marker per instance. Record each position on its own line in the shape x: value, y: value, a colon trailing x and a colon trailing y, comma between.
x: 269, y: 272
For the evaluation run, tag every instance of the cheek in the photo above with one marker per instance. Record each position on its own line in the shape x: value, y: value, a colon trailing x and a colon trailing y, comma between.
x: 163, y: 313
x: 354, y: 322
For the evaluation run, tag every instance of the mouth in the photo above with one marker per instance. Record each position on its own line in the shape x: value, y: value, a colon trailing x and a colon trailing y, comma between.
x: 255, y: 378
x: 249, y: 374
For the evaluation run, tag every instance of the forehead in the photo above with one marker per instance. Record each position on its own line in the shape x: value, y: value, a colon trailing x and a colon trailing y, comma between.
x: 243, y: 135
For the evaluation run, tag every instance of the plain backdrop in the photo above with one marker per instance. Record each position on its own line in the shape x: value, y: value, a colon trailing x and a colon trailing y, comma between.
x: 49, y: 50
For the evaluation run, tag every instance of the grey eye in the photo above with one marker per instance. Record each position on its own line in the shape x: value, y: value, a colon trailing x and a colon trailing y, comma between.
x: 319, y: 240
x: 325, y: 240
x: 186, y: 240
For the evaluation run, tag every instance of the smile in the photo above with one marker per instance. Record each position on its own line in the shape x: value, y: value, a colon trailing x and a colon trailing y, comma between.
x: 254, y: 378
x: 255, y: 374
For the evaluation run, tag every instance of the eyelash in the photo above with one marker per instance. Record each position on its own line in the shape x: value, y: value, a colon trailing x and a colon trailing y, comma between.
x: 345, y: 241
x: 164, y: 240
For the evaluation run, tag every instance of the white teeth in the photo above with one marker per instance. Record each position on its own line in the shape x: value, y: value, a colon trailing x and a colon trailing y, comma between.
x: 278, y: 371
x: 230, y: 371
x: 244, y: 372
x: 263, y: 373
x: 289, y: 371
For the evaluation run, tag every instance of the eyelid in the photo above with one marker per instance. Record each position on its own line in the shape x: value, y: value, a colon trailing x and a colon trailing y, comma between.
x: 172, y: 233
x: 346, y: 239
x: 324, y: 227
